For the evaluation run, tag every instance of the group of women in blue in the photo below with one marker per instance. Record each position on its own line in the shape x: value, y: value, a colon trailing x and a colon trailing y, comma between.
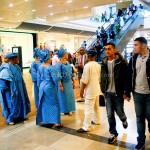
x: 14, y: 98
x: 55, y: 85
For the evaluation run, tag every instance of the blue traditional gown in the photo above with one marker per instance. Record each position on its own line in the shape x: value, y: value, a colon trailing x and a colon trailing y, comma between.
x: 34, y: 68
x: 15, y: 102
x: 66, y: 98
x: 49, y: 108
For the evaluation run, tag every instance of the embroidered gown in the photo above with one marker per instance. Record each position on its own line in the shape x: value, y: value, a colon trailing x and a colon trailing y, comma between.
x: 49, y: 108
x: 34, y: 68
x: 15, y: 102
x: 66, y: 98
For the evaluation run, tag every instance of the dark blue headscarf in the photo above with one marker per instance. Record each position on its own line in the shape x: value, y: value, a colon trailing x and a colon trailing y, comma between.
x: 10, y: 55
x: 36, y: 52
x: 61, y: 52
x: 44, y: 55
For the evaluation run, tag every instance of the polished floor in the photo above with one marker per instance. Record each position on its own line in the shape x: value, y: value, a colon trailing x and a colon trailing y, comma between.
x: 27, y: 136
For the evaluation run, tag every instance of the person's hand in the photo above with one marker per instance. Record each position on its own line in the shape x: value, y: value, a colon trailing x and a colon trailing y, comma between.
x: 81, y: 93
x: 80, y: 65
x: 61, y: 88
x: 126, y: 98
x: 73, y: 84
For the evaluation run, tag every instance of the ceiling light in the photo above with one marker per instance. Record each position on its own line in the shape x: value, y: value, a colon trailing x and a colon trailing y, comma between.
x: 26, y: 0
x: 18, y: 14
x: 85, y: 7
x: 66, y: 10
x: 51, y: 14
x: 1, y: 18
x: 50, y: 6
x: 69, y: 1
x: 33, y: 10
x: 11, y: 5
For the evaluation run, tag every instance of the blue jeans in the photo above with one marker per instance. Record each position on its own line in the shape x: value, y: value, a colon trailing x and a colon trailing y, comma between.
x: 114, y: 104
x: 142, y: 110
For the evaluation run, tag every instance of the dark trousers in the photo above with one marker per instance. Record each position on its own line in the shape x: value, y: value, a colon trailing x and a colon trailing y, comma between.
x: 114, y: 104
x: 142, y: 110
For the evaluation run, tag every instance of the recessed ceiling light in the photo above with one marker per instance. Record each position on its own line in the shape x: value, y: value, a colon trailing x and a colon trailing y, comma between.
x: 66, y: 10
x: 69, y: 1
x: 50, y: 6
x: 33, y: 10
x: 26, y: 0
x: 1, y: 18
x: 18, y: 14
x: 11, y: 5
x: 85, y: 7
x: 51, y: 14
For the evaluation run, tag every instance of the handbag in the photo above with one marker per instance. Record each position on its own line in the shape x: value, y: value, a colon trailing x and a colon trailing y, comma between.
x: 102, y: 101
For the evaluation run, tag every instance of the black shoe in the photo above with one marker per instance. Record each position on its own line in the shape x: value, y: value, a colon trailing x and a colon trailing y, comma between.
x: 112, y: 139
x: 125, y: 124
x: 81, y: 130
x: 139, y: 146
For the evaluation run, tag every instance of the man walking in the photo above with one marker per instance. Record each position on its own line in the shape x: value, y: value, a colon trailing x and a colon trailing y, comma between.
x: 90, y: 89
x: 113, y: 75
x: 139, y: 84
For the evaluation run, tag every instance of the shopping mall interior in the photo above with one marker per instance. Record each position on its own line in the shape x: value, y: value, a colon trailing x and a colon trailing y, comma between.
x: 27, y: 24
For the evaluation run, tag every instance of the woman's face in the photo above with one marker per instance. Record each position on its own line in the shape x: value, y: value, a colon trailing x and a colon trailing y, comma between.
x: 6, y: 60
x: 65, y: 56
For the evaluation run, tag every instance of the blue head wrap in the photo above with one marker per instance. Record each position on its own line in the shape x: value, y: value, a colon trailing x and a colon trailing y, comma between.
x: 44, y: 55
x: 61, y: 52
x: 36, y: 52
x: 10, y: 55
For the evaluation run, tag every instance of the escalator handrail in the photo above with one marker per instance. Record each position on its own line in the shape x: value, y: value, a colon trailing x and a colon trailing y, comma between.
x: 94, y: 33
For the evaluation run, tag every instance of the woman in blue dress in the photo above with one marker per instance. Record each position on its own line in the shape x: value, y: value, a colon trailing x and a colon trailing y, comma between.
x: 15, y: 102
x: 34, y: 68
x: 47, y: 80
x: 66, y: 93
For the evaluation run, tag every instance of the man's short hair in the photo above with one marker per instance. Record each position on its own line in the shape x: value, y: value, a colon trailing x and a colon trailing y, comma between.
x: 110, y: 43
x: 141, y: 40
x: 91, y: 52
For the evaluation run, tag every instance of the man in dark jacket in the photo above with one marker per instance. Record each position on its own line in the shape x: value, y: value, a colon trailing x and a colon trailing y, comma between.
x: 138, y: 83
x: 113, y: 79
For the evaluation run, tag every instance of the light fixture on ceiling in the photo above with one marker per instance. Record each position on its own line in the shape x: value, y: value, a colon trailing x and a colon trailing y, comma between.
x: 49, y: 6
x: 85, y: 7
x: 51, y: 14
x: 1, y: 18
x: 33, y: 10
x: 11, y: 5
x: 18, y: 14
x: 26, y: 0
x: 69, y: 1
x: 66, y: 10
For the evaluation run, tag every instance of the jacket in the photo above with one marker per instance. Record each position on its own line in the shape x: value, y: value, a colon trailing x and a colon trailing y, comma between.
x: 131, y: 74
x: 120, y: 69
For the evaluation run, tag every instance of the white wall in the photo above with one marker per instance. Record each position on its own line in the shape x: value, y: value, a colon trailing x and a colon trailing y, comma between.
x: 9, y: 40
x: 70, y: 42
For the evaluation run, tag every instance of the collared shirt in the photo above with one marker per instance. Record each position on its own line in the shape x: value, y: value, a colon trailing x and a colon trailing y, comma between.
x: 141, y: 84
x: 111, y: 81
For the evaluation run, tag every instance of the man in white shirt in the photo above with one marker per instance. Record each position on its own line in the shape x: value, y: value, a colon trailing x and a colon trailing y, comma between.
x: 90, y: 89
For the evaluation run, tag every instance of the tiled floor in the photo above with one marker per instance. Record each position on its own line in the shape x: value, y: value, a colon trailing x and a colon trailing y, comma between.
x: 27, y: 136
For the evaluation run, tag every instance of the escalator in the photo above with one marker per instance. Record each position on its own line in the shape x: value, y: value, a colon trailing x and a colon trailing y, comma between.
x: 126, y: 32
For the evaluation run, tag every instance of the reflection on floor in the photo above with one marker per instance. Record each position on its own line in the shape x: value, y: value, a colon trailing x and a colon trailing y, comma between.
x: 27, y: 136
